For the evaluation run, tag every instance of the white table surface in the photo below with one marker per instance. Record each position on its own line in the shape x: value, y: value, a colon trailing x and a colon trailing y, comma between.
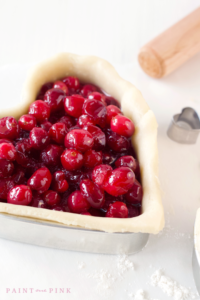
x: 29, y: 33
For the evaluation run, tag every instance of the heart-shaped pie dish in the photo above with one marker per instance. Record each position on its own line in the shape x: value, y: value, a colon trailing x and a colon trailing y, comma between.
x: 73, y: 157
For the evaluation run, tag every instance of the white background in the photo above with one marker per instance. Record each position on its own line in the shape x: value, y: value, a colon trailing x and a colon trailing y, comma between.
x: 115, y: 30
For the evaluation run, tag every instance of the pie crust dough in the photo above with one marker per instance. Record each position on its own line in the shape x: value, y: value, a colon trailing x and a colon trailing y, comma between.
x: 100, y: 72
x: 197, y: 235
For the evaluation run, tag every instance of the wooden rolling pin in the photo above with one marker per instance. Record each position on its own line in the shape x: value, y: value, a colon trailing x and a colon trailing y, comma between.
x: 172, y: 48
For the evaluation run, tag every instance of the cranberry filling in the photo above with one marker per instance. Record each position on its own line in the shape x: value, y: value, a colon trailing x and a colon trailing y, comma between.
x: 72, y: 159
x: 79, y: 139
x: 20, y: 194
x: 62, y: 86
x: 27, y: 122
x: 57, y: 132
x: 40, y: 110
x: 51, y: 197
x: 87, y: 89
x: 97, y: 110
x: 7, y: 151
x: 54, y: 99
x: 73, y: 105
x: 93, y: 193
x: 71, y: 153
x: 117, y: 210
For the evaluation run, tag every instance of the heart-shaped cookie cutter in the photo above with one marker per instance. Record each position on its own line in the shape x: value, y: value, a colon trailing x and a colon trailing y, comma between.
x: 185, y: 127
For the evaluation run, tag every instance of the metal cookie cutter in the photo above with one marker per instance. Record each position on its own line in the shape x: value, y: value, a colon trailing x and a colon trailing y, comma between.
x: 185, y: 127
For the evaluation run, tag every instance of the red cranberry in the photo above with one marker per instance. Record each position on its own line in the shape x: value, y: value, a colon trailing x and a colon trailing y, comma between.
x: 5, y: 186
x: 59, y: 183
x: 5, y: 141
x: 126, y: 161
x: 93, y: 193
x: 72, y: 83
x: 40, y: 110
x: 112, y: 101
x: 73, y: 105
x: 97, y: 96
x: 37, y: 201
x: 119, y: 181
x: 133, y: 211
x: 117, y: 210
x: 68, y: 121
x: 92, y: 158
x: 6, y: 168
x: 112, y: 111
x: 97, y: 110
x: 58, y: 132
x: 98, y: 136
x: 77, y: 203
x: 40, y: 180
x: 79, y: 139
x: 39, y: 138
x: 50, y: 156
x: 109, y: 200
x: 61, y: 85
x: 9, y: 128
x: 47, y: 86
x: 87, y: 89
x: 27, y: 122
x: 135, y: 194
x: 72, y: 159
x: 7, y: 151
x: 46, y: 125
x: 86, y: 213
x: 117, y: 142
x: 51, y: 197
x: 20, y: 195
x: 99, y: 173
x: 122, y: 125
x: 54, y: 99
x: 84, y: 120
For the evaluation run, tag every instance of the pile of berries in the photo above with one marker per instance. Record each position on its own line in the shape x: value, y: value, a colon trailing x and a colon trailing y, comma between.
x: 72, y: 152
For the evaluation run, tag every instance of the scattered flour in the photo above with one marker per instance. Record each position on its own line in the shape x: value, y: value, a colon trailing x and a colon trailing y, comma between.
x: 140, y: 295
x: 106, y: 277
x: 124, y: 264
x: 171, y: 287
